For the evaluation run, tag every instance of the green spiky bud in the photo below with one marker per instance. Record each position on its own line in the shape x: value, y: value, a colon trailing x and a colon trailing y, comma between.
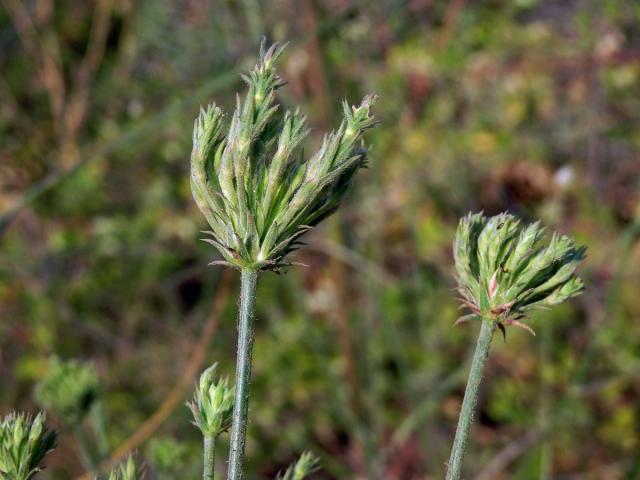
x: 127, y: 470
x: 212, y: 404
x: 306, y: 464
x: 24, y: 442
x: 68, y: 390
x: 504, y: 269
x: 257, y: 192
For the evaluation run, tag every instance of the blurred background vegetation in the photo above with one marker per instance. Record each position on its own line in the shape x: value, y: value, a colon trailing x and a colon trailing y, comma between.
x: 527, y: 105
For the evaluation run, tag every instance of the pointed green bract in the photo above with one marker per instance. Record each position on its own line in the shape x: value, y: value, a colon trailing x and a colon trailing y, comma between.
x: 257, y: 192
x: 127, y: 470
x: 24, y: 442
x: 306, y: 464
x: 504, y: 269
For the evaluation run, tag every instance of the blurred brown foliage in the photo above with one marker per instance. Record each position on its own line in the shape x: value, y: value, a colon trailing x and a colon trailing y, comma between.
x: 531, y: 106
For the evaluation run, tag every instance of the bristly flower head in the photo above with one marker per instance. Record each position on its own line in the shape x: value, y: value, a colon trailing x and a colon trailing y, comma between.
x: 212, y: 404
x: 68, y: 390
x: 24, y: 442
x: 505, y: 269
x: 257, y: 192
x: 306, y: 464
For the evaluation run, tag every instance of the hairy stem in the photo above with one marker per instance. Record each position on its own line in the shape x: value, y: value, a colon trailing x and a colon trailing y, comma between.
x: 243, y: 373
x: 470, y: 398
x: 209, y: 455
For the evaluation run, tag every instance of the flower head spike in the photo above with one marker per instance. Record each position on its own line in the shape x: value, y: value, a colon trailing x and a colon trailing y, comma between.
x: 127, y: 470
x: 24, y: 442
x: 306, y: 464
x: 250, y: 181
x: 68, y: 390
x: 212, y: 404
x: 504, y: 269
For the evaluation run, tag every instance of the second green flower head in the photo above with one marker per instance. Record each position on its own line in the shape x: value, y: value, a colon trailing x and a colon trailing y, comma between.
x: 504, y: 269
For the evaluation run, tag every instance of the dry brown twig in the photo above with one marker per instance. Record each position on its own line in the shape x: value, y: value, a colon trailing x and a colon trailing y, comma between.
x: 69, y: 103
x: 177, y: 394
x: 76, y: 108
x: 508, y: 454
x: 48, y: 69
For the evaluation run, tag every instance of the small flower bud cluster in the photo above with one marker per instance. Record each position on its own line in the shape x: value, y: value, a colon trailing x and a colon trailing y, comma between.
x: 68, y: 390
x: 302, y: 468
x: 126, y: 471
x: 24, y: 442
x: 212, y: 405
x: 504, y: 269
x: 254, y: 188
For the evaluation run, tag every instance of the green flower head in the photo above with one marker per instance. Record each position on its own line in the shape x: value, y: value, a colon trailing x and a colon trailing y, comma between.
x: 212, y: 405
x: 24, y: 442
x: 504, y: 269
x: 257, y: 192
x: 68, y: 390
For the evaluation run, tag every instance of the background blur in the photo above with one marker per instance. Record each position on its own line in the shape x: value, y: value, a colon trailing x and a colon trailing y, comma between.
x: 528, y: 105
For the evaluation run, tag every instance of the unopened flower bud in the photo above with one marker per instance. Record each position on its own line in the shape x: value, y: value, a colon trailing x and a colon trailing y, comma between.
x: 24, y: 442
x: 212, y: 405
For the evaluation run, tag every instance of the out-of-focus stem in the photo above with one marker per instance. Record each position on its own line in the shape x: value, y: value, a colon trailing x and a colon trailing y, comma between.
x: 249, y: 281
x: 470, y: 399
x: 544, y: 413
x: 84, y: 446
x: 96, y: 417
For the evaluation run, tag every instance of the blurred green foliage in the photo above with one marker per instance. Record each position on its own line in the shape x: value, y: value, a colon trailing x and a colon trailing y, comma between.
x: 68, y: 390
x: 168, y: 459
x: 530, y: 106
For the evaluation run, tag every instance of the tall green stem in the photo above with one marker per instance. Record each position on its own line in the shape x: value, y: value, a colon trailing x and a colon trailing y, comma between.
x: 470, y: 398
x: 249, y: 281
x: 209, y: 456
